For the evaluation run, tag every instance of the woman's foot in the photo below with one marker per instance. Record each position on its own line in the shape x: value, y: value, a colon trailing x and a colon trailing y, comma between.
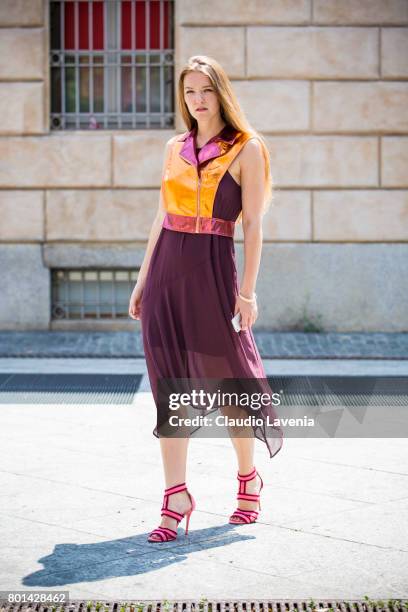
x: 179, y: 502
x: 252, y: 487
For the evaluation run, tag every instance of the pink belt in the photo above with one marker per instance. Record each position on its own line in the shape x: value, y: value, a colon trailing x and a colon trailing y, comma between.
x: 206, y: 225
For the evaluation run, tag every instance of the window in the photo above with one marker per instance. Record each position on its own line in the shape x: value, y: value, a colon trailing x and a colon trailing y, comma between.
x: 112, y: 64
x: 91, y: 294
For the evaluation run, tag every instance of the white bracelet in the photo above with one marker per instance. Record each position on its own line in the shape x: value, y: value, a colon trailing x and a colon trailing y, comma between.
x: 253, y: 299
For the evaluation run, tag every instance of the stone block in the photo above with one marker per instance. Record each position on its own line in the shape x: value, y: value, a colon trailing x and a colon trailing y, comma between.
x: 22, y: 53
x: 21, y: 108
x: 226, y: 45
x: 364, y: 12
x: 394, y: 161
x: 101, y: 214
x: 79, y: 159
x: 242, y: 12
x: 86, y: 255
x: 361, y: 107
x: 361, y: 216
x: 312, y: 52
x: 21, y: 214
x: 275, y: 106
x: 324, y: 161
x: 25, y: 290
x: 336, y: 287
x: 394, y: 53
x: 21, y: 13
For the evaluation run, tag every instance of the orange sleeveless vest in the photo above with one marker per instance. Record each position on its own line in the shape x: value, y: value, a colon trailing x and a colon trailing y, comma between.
x: 189, y: 191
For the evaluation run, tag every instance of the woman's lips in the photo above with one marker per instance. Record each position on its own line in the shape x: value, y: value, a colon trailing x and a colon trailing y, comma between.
x: 199, y: 110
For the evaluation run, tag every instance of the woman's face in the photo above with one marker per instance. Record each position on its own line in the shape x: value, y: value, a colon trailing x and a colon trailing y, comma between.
x: 199, y: 93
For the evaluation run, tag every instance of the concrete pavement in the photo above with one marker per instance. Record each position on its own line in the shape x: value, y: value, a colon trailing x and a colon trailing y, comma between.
x: 82, y: 484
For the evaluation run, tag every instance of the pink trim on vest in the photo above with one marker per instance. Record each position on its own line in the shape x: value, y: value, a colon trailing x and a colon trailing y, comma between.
x: 206, y: 225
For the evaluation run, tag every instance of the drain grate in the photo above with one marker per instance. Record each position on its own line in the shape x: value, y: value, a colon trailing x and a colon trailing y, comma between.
x: 343, y: 391
x: 205, y: 605
x: 68, y: 388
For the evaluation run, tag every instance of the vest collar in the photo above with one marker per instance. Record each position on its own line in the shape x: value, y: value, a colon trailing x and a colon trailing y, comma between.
x: 216, y: 146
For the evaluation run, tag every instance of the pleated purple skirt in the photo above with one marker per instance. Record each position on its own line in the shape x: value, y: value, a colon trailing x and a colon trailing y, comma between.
x: 187, y: 305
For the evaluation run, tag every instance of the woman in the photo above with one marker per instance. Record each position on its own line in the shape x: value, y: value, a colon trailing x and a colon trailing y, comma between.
x: 187, y: 291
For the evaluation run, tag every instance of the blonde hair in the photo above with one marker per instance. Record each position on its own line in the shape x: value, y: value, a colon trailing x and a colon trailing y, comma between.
x: 231, y: 111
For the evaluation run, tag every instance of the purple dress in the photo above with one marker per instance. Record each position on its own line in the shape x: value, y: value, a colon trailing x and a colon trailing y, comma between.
x: 186, y: 309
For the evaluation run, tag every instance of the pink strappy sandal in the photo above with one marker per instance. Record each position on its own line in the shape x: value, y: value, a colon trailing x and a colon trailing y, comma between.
x: 165, y: 533
x: 246, y: 516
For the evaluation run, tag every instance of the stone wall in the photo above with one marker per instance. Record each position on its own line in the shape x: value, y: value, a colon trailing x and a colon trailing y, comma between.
x: 325, y: 82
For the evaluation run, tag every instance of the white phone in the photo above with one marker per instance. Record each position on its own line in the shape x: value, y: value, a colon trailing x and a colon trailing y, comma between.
x: 236, y: 322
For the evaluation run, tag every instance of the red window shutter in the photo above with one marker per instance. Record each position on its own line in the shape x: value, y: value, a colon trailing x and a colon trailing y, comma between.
x: 97, y: 24
x: 140, y: 24
x: 69, y: 22
x: 83, y: 25
x: 126, y: 17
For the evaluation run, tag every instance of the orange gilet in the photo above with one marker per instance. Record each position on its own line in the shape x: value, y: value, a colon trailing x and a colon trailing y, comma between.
x: 188, y: 190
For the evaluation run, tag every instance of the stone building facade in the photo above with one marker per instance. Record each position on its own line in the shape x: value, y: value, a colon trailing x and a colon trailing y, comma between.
x: 325, y: 81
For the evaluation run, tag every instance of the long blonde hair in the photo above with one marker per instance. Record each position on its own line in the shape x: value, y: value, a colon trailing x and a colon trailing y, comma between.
x: 231, y: 111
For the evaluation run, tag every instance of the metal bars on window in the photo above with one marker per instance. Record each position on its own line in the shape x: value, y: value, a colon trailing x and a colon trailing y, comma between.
x: 112, y: 64
x: 91, y: 294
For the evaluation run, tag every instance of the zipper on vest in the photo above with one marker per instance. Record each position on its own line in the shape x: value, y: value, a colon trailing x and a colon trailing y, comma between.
x: 197, y: 231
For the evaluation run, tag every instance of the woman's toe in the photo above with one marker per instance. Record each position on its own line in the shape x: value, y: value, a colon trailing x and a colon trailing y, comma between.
x: 236, y: 519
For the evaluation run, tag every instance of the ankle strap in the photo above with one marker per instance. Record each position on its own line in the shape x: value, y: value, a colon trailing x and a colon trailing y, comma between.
x: 250, y: 476
x: 176, y: 488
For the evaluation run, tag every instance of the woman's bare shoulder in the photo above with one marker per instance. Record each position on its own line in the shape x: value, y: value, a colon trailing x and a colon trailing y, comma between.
x: 252, y: 145
x: 251, y: 152
x: 172, y: 140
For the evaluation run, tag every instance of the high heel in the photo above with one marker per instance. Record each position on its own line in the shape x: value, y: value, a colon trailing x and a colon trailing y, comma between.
x: 165, y: 533
x: 247, y: 516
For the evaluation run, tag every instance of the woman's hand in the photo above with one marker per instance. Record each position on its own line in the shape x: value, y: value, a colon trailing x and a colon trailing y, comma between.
x: 135, y: 307
x: 249, y: 312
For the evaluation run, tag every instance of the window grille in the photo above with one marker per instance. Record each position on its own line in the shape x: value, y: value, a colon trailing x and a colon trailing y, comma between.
x: 112, y: 64
x: 91, y: 294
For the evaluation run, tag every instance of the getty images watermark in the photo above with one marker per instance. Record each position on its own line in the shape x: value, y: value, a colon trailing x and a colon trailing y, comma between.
x: 201, y: 399
x: 298, y: 406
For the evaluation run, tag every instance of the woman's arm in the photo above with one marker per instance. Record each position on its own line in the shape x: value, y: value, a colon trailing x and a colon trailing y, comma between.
x: 252, y: 166
x: 135, y: 309
x: 156, y: 226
